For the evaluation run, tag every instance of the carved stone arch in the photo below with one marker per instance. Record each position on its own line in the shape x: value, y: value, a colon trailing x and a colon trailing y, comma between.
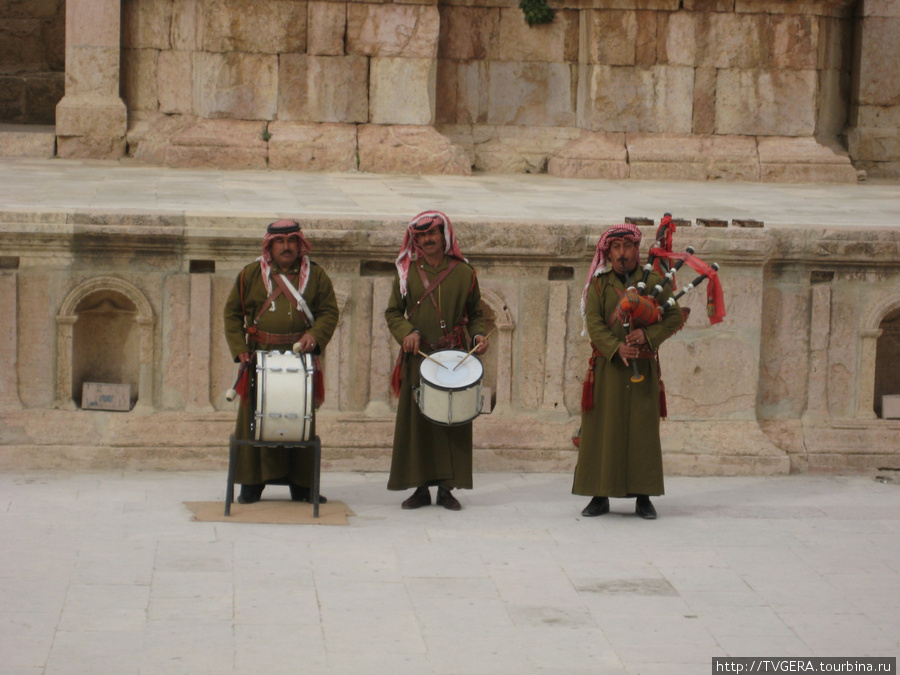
x: 503, y: 350
x: 65, y: 331
x: 869, y: 333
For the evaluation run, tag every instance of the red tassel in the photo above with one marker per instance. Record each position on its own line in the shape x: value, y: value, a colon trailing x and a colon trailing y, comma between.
x: 587, y: 392
x: 318, y: 383
x: 395, y: 377
x: 663, y: 410
x: 242, y: 388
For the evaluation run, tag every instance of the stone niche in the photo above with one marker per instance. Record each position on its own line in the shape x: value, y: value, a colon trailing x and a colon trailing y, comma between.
x: 104, y: 336
x: 887, y: 360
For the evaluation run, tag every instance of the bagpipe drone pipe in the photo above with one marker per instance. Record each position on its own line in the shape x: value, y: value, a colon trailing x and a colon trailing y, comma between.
x: 639, y: 308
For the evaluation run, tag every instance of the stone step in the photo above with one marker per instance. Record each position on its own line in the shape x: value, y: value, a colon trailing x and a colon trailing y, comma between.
x: 27, y: 140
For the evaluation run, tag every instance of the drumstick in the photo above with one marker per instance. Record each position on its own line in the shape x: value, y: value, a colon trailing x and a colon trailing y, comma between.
x: 421, y: 353
x: 473, y: 349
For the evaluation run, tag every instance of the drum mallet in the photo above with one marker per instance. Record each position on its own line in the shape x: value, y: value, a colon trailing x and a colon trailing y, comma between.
x: 231, y: 394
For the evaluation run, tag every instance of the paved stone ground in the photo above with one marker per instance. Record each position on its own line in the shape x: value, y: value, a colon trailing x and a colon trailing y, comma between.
x: 107, y: 573
x: 35, y: 184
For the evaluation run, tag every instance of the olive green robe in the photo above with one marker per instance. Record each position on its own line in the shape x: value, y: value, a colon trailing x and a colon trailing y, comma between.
x: 620, y: 452
x: 257, y: 465
x: 426, y: 453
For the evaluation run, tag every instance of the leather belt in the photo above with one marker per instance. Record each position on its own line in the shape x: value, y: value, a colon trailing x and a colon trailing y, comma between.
x: 264, y: 338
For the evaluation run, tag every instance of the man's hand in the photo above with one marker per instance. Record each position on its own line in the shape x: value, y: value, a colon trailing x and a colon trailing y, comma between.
x: 481, y: 344
x: 636, y: 337
x: 627, y: 351
x: 411, y: 343
x: 245, y: 357
x: 306, y: 343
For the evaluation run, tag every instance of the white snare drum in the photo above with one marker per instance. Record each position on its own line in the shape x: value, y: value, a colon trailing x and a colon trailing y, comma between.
x: 284, y: 396
x: 447, y: 396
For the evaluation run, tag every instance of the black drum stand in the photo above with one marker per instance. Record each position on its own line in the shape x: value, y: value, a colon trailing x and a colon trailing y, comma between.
x: 315, y: 444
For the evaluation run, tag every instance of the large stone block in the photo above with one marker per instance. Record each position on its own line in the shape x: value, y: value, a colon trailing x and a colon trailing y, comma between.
x: 92, y: 71
x: 92, y: 23
x: 20, y: 46
x: 613, y: 36
x: 402, y: 90
x: 146, y: 25
x: 187, y: 24
x: 91, y: 116
x: 469, y: 33
x: 874, y: 144
x: 410, y: 150
x: 256, y: 26
x: 739, y: 41
x: 704, y: 101
x: 323, y: 88
x: 553, y: 42
x: 12, y: 100
x: 198, y: 143
x: 514, y: 149
x: 793, y: 41
x: 879, y: 68
x: 693, y: 157
x: 139, y: 83
x: 645, y: 48
x: 658, y: 99
x: 473, y: 94
x: 174, y: 78
x: 239, y: 86
x: 766, y: 103
x: 312, y: 147
x: 531, y: 93
x: 27, y: 140
x: 42, y: 93
x: 326, y: 25
x: 90, y: 147
x: 592, y: 155
x: 393, y: 30
x: 794, y: 160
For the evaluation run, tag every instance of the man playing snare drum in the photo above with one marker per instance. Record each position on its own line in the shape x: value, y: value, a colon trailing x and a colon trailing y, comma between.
x: 434, y: 304
x: 280, y: 301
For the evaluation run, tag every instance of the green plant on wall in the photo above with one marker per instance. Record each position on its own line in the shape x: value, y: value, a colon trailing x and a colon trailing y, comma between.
x: 537, y: 11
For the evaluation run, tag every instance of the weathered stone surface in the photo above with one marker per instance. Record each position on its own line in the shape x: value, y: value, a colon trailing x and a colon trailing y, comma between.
x: 255, y: 26
x: 793, y: 42
x: 187, y: 24
x: 312, y: 147
x: 647, y: 38
x: 146, y: 25
x: 92, y: 71
x: 410, y: 31
x: 91, y: 115
x: 198, y: 142
x: 326, y: 25
x: 704, y: 121
x: 708, y: 157
x: 613, y: 36
x: 323, y: 88
x: 591, y: 155
x: 514, y: 149
x: 553, y: 42
x: 658, y: 99
x: 97, y: 24
x: 738, y: 40
x: 473, y: 94
x: 531, y: 93
x: 42, y: 94
x: 139, y: 81
x: 238, y: 85
x: 766, y: 103
x: 30, y: 140
x: 409, y: 149
x: 880, y: 62
x: 174, y: 82
x: 402, y: 90
x: 788, y: 150
x: 469, y: 33
x: 90, y: 147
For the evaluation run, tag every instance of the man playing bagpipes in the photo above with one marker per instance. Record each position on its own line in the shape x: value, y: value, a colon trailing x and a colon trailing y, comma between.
x: 619, y: 453
x: 434, y: 304
x: 279, y: 302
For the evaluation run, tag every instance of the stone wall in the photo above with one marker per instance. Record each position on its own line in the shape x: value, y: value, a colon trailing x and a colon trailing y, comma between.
x: 32, y: 60
x: 786, y: 382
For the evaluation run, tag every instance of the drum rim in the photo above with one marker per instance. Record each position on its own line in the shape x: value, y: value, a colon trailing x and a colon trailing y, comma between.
x: 433, y: 385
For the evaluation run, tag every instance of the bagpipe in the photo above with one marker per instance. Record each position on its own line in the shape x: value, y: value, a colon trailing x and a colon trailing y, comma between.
x: 639, y: 308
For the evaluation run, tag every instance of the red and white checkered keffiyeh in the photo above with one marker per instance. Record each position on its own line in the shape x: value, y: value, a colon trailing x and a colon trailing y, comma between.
x: 292, y: 228
x: 410, y: 250
x: 600, y: 263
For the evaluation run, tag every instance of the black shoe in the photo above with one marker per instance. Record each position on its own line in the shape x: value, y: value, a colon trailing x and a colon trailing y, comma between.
x: 597, y: 507
x: 421, y: 497
x: 303, y: 494
x: 251, y: 494
x: 446, y: 499
x: 644, y: 508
